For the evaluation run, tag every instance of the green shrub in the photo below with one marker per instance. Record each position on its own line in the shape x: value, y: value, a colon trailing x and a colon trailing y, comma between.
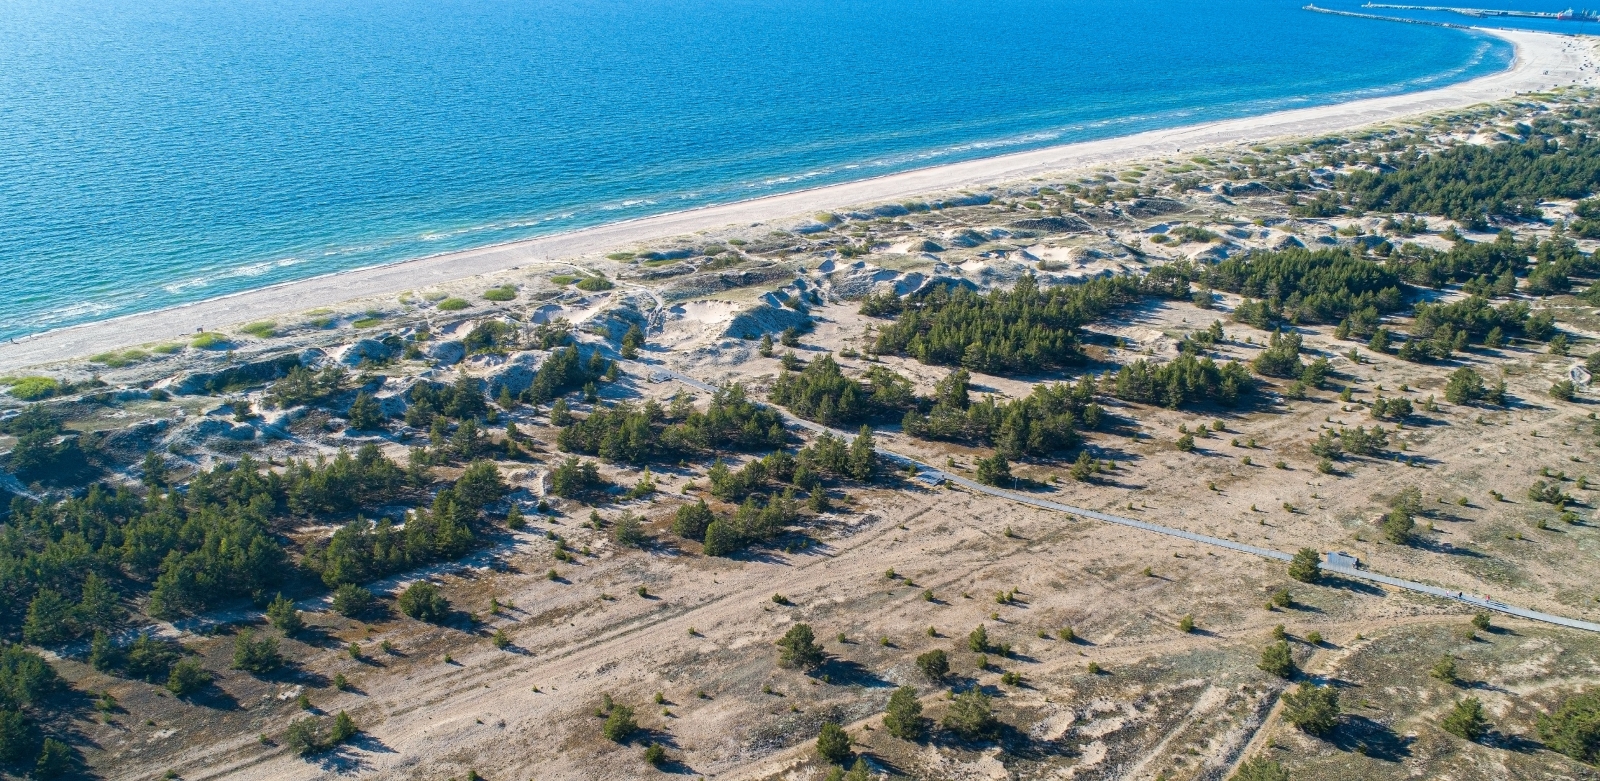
x: 971, y: 715
x: 619, y: 724
x: 1306, y: 566
x: 798, y: 648
x: 367, y: 322
x: 453, y: 304
x: 302, y: 737
x: 255, y: 656
x: 1260, y: 769
x: 595, y: 284
x: 421, y: 600
x: 208, y: 340
x: 35, y: 388
x: 1466, y: 720
x: 265, y: 329
x: 1574, y: 728
x: 501, y: 293
x: 1277, y: 660
x: 187, y: 677
x: 1314, y: 709
x: 833, y: 744
x: 935, y: 664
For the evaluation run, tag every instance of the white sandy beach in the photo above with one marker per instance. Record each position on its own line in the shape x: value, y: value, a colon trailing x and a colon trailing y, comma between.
x: 1542, y: 61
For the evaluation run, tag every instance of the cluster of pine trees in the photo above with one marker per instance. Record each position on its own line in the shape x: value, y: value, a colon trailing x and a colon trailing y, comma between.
x: 303, y: 386
x: 41, y: 452
x: 66, y: 566
x: 1304, y: 286
x: 1014, y: 331
x: 1181, y: 382
x: 765, y: 489
x: 1489, y: 267
x: 565, y: 371
x: 431, y: 401
x: 1470, y: 183
x: 1473, y: 320
x: 639, y: 433
x: 1047, y: 421
x: 822, y: 393
x: 26, y: 680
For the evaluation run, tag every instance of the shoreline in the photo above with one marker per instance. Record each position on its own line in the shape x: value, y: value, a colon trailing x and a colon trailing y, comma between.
x: 1541, y: 61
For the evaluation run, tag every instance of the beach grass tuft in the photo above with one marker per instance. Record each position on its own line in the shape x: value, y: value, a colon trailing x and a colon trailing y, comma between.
x: 367, y: 322
x: 208, y: 340
x: 453, y: 304
x: 565, y: 279
x: 501, y: 293
x: 620, y: 256
x: 595, y: 283
x: 117, y: 360
x: 264, y: 329
x: 34, y: 388
x: 166, y: 349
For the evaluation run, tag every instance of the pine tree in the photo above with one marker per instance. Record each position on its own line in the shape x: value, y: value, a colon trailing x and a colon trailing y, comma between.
x: 903, y: 717
x: 628, y: 531
x: 935, y: 664
x: 971, y: 715
x: 49, y: 619
x: 833, y: 744
x: 619, y: 724
x: 103, y: 654
x: 187, y: 677
x: 1314, y: 709
x: 1466, y: 720
x: 1306, y: 566
x: 978, y: 640
x: 98, y: 607
x: 798, y: 648
x: 1277, y: 660
x: 1445, y: 670
x: 365, y: 414
x: 344, y: 728
x: 632, y: 341
x: 863, y: 456
x: 691, y: 520
x: 994, y: 470
x: 721, y: 539
x: 284, y: 616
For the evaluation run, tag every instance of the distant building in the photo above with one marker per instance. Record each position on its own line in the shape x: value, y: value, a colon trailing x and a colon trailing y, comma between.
x: 1341, y: 560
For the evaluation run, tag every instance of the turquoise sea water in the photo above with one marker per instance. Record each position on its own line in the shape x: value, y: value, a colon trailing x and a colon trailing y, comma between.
x: 154, y: 152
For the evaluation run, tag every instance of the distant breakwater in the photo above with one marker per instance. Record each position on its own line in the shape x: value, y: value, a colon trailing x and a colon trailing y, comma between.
x: 1310, y: 7
x: 1427, y: 22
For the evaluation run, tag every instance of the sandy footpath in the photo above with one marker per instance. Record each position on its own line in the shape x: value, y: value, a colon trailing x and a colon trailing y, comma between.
x: 1542, y: 61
